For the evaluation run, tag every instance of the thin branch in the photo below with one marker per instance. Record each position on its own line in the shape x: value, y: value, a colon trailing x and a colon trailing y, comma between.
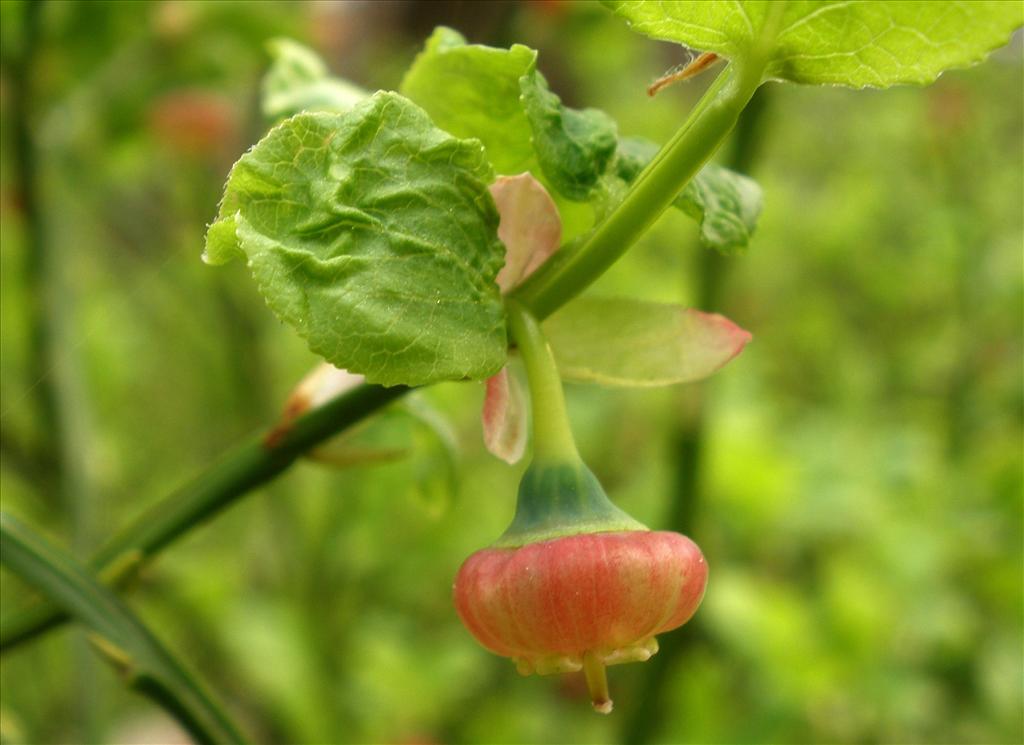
x: 250, y: 465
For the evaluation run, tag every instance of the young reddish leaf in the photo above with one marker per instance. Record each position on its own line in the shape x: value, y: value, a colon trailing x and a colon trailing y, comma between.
x: 504, y: 416
x: 530, y: 226
x: 531, y: 230
x: 634, y: 343
x: 322, y: 383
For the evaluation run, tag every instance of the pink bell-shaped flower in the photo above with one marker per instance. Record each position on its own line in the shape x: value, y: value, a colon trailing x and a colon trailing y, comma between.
x: 581, y: 601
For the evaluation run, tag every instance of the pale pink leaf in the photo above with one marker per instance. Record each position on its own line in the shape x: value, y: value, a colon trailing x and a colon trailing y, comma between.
x: 635, y: 343
x: 530, y: 226
x: 504, y: 416
x: 321, y: 384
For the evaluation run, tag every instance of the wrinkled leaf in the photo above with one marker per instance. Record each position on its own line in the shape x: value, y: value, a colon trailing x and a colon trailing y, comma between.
x: 530, y: 226
x: 504, y: 416
x: 338, y: 217
x: 724, y: 203
x: 473, y: 91
x: 298, y: 80
x: 856, y: 43
x: 574, y: 147
x: 620, y: 342
x: 632, y: 156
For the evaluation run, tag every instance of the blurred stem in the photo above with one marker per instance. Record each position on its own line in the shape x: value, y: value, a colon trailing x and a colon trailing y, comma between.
x: 119, y: 635
x: 54, y: 371
x: 646, y: 718
x: 35, y: 256
x: 554, y: 284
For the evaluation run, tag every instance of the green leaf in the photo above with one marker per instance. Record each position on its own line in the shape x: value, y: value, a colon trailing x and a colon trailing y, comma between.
x: 632, y: 156
x: 473, y: 91
x: 574, y: 147
x: 725, y: 204
x: 298, y: 80
x: 374, y: 235
x: 620, y: 342
x: 857, y: 43
x: 116, y: 632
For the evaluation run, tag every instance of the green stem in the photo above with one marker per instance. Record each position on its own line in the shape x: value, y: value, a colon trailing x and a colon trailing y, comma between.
x: 558, y: 281
x: 558, y: 495
x: 118, y: 634
x: 552, y: 434
x: 248, y: 466
x: 36, y: 256
x: 597, y: 683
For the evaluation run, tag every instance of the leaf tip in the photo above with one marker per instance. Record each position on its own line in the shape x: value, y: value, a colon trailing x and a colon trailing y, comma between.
x: 737, y: 336
x: 221, y: 242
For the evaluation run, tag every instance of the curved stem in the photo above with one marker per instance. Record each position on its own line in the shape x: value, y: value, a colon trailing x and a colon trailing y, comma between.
x: 118, y: 635
x: 558, y: 281
x: 552, y: 435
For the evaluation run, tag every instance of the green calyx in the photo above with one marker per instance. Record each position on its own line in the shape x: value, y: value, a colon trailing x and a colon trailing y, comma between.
x: 562, y: 499
x: 558, y: 496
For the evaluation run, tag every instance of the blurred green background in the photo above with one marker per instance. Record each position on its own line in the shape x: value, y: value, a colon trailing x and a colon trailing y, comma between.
x: 854, y: 477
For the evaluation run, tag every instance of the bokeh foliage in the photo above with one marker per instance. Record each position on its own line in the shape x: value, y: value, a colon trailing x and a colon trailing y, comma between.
x: 860, y: 504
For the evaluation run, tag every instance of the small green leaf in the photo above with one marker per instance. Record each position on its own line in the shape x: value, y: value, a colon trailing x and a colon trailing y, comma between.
x: 857, y: 43
x: 471, y: 90
x: 620, y: 342
x: 632, y: 156
x: 298, y: 80
x: 373, y: 234
x: 725, y: 204
x: 574, y: 147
